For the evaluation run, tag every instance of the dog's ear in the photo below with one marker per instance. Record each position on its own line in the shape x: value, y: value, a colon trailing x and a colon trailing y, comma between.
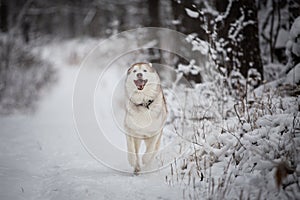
x: 151, y: 69
x: 130, y: 69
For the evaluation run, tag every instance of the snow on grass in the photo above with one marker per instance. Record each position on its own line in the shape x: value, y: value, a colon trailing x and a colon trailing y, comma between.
x: 242, y: 149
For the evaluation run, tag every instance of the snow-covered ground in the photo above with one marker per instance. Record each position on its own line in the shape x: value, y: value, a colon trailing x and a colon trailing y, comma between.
x: 41, y: 154
x: 240, y: 147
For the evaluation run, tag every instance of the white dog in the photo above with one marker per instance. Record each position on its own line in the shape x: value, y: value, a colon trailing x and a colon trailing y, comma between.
x: 146, y: 112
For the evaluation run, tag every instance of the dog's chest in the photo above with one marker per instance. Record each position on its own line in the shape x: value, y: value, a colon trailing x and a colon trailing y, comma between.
x: 148, y: 120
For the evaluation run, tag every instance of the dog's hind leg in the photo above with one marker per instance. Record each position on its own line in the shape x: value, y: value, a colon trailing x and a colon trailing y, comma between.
x: 152, y: 146
x: 157, y: 144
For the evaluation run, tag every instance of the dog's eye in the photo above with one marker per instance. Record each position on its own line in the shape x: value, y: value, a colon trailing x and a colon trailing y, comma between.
x: 134, y: 71
x: 145, y: 70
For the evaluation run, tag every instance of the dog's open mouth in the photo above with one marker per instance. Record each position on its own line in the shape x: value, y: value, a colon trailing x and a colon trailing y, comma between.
x: 140, y: 83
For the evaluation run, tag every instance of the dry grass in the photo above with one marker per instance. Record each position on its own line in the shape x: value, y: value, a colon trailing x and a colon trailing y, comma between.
x: 257, y: 146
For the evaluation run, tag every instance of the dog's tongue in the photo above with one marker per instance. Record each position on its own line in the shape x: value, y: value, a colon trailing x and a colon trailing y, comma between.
x: 140, y: 83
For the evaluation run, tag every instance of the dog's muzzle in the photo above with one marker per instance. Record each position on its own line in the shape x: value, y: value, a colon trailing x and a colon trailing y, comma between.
x: 140, y: 83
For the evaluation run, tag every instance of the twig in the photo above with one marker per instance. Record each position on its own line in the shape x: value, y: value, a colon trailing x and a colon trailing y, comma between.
x: 185, y: 138
x: 236, y: 112
x: 238, y: 139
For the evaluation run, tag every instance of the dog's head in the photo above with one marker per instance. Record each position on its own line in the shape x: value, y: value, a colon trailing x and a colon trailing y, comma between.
x: 141, y: 74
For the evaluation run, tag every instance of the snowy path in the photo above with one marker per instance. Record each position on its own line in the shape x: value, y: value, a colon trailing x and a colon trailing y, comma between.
x: 42, y: 157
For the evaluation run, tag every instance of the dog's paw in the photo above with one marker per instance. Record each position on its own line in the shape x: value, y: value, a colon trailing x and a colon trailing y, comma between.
x: 137, y: 169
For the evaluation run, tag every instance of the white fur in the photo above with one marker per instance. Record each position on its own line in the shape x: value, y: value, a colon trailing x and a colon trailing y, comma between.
x: 142, y: 123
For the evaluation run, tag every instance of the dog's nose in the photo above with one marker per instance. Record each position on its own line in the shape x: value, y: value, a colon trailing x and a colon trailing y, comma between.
x: 139, y: 75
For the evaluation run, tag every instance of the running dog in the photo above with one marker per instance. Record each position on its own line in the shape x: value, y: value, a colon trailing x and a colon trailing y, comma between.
x: 146, y: 113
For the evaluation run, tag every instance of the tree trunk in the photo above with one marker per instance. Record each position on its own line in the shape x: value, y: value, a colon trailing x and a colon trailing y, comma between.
x: 154, y: 21
x: 3, y: 16
x: 239, y: 32
x: 250, y: 43
x: 153, y: 10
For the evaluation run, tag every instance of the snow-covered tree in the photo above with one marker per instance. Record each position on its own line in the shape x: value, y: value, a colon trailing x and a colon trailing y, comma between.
x: 231, y: 29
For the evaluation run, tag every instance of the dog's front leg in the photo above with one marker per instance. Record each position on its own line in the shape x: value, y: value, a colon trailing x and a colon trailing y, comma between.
x: 133, y: 146
x: 137, y: 144
x: 152, y: 146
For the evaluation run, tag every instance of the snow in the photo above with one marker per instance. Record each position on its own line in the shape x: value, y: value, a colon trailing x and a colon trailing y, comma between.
x: 191, y: 13
x: 227, y: 147
x: 190, y: 68
x: 293, y: 45
x: 246, y: 127
x: 241, y: 142
x: 296, y: 49
x: 209, y: 9
x: 282, y: 38
x: 245, y: 146
x: 295, y: 29
x: 273, y: 71
x: 43, y: 158
x: 198, y: 44
x: 221, y: 17
x: 176, y: 22
x: 237, y: 26
x: 293, y: 77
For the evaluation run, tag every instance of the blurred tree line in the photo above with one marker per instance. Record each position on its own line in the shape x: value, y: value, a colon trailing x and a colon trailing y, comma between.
x: 75, y: 18
x: 245, y: 34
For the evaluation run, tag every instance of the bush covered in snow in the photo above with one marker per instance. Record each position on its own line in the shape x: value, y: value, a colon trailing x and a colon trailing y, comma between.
x: 241, y: 149
x: 245, y: 137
